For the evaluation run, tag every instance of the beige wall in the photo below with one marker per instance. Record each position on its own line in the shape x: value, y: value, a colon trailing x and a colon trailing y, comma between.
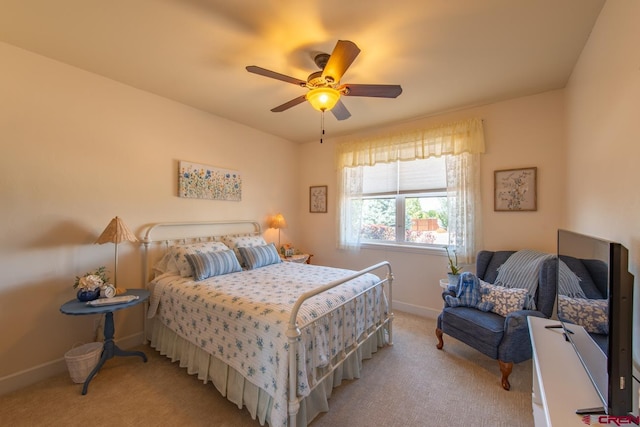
x: 79, y: 149
x: 584, y: 141
x: 603, y: 142
x: 522, y: 132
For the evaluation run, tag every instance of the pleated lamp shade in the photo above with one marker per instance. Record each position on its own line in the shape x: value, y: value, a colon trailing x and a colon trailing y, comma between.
x: 278, y: 222
x: 116, y: 232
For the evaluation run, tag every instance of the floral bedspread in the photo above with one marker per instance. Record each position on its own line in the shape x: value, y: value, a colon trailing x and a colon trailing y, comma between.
x: 242, y: 318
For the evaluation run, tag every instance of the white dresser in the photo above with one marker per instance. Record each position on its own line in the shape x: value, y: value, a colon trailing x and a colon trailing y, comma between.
x: 560, y: 383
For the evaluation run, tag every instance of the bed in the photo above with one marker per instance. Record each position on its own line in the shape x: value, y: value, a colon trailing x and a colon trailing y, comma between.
x: 275, y: 337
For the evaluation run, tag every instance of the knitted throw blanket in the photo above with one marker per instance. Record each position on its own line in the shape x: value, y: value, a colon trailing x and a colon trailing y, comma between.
x: 521, y: 270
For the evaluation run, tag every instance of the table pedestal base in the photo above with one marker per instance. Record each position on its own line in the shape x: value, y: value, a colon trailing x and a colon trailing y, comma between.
x: 109, y: 350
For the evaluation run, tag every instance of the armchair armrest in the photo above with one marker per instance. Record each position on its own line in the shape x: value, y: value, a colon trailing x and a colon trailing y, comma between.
x: 444, y: 294
x: 517, y: 320
x: 516, y: 345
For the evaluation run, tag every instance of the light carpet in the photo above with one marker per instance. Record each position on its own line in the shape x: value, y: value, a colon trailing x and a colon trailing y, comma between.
x: 408, y: 384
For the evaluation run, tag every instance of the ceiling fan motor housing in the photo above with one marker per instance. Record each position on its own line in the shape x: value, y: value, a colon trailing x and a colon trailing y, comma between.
x: 316, y: 80
x: 321, y: 60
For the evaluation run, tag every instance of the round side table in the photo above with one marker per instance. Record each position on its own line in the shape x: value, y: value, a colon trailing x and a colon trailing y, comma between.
x: 110, y: 349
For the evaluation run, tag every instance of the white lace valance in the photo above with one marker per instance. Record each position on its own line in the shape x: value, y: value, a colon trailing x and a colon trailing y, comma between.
x: 465, y: 136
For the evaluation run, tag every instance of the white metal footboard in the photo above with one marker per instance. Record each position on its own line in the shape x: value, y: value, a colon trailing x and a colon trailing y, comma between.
x: 210, y: 230
x: 294, y: 331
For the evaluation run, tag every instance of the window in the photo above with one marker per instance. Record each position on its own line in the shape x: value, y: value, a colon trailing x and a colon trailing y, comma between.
x: 409, y: 174
x: 404, y: 202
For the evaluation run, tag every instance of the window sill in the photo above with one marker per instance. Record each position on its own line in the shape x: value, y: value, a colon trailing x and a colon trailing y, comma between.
x: 430, y: 250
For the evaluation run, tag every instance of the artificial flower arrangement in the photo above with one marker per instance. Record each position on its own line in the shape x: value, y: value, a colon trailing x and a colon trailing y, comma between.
x: 92, y: 280
x: 287, y: 250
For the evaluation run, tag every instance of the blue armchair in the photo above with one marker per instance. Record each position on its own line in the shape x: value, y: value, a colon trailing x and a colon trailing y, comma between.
x: 505, y: 339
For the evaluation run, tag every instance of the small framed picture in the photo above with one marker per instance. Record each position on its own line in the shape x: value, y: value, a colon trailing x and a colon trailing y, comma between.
x: 318, y: 199
x: 515, y: 190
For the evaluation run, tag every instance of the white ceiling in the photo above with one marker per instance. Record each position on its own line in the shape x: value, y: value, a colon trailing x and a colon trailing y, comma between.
x: 446, y: 54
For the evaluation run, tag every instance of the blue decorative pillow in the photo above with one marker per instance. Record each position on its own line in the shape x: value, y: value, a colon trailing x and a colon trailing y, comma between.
x: 179, y: 252
x: 209, y: 264
x: 259, y: 256
x: 237, y: 242
x: 591, y: 314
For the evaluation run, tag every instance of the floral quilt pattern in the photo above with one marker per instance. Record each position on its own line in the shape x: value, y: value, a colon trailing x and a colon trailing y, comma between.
x: 242, y: 319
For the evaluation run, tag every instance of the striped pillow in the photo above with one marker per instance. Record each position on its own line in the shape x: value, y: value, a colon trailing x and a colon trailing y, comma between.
x: 259, y: 256
x: 209, y: 264
x: 236, y: 242
x: 179, y: 252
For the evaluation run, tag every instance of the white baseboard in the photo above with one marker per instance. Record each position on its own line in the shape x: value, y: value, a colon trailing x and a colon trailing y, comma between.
x: 46, y: 370
x: 416, y: 309
x: 30, y: 376
x: 131, y: 341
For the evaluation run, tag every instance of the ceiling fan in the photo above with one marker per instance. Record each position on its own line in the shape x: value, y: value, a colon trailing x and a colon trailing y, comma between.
x: 324, y: 86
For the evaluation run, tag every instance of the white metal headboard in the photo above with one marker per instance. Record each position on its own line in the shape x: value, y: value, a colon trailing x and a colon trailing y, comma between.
x: 161, y: 235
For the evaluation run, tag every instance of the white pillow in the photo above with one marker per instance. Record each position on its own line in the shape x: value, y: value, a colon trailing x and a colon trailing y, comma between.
x: 505, y: 300
x: 166, y: 264
x: 235, y: 242
x: 178, y: 253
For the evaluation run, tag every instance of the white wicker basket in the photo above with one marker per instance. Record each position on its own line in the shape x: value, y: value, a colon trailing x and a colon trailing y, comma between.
x: 81, y: 360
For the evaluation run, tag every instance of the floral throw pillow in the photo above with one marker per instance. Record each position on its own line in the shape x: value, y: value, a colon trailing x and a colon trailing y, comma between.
x: 591, y: 314
x: 505, y: 300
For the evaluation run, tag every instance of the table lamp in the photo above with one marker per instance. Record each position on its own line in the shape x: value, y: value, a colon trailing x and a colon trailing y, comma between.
x: 278, y: 222
x: 116, y: 232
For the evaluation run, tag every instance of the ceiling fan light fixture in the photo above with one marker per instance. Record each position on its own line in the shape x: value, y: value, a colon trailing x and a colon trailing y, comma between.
x: 323, y: 98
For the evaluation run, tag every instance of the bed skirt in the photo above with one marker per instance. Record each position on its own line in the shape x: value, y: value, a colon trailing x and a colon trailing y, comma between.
x: 235, y: 388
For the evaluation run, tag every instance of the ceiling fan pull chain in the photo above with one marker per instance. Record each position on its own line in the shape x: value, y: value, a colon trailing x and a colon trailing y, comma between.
x: 322, y: 125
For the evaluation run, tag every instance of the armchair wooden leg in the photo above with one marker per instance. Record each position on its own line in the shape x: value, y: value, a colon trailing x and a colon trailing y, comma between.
x: 505, y: 368
x: 439, y: 336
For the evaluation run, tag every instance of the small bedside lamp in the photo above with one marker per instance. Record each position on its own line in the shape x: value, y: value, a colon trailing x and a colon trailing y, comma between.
x: 278, y: 222
x: 116, y: 232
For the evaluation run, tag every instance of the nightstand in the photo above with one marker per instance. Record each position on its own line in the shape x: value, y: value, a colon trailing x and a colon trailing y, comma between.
x: 299, y: 258
x: 110, y: 349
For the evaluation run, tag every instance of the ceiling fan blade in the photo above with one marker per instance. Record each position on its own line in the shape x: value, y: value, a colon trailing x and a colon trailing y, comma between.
x: 341, y: 58
x: 379, y: 91
x: 287, y: 105
x: 340, y: 111
x: 268, y: 73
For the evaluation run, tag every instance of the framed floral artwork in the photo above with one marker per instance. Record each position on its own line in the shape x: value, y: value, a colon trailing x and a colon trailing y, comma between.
x: 207, y: 182
x: 515, y: 190
x: 318, y: 199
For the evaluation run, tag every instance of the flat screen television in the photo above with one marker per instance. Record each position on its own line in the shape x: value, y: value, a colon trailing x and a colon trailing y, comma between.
x: 605, y: 311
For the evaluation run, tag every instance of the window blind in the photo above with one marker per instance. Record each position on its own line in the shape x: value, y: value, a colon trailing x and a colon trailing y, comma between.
x: 403, y: 177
